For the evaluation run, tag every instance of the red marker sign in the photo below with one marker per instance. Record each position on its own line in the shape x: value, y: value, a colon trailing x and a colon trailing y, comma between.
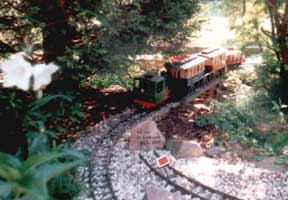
x: 163, y: 161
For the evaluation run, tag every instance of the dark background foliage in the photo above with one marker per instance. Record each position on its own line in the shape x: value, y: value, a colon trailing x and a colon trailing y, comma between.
x: 94, y: 34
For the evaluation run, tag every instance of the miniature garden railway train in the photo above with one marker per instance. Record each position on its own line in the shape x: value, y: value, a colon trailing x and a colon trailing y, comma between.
x: 184, y: 75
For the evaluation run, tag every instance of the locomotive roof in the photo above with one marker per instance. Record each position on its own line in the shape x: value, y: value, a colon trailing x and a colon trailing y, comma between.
x: 153, y: 77
x: 196, y: 61
x: 212, y: 52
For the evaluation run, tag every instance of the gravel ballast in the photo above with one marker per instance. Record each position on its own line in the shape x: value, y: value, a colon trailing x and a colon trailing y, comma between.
x: 130, y: 176
x: 241, y: 179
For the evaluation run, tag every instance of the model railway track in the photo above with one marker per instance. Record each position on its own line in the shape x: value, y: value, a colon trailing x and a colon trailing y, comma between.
x: 193, y: 181
x: 99, y: 175
x: 187, y: 186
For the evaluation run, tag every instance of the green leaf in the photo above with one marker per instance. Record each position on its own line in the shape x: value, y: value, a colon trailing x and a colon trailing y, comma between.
x: 8, y: 172
x: 8, y: 167
x: 47, y: 172
x: 38, y: 143
x: 33, y: 186
x: 43, y: 101
x: 9, y: 160
x: 5, y: 189
x: 36, y: 160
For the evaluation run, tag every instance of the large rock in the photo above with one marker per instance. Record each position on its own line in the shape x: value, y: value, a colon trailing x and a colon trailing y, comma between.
x: 114, y: 89
x: 215, y: 152
x: 184, y: 148
x: 157, y: 193
x: 145, y: 137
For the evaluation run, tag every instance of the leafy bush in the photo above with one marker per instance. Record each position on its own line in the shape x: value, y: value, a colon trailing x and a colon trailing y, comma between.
x: 20, y: 111
x: 12, y: 112
x: 28, y: 179
x: 51, y: 110
x: 26, y: 119
x: 65, y: 186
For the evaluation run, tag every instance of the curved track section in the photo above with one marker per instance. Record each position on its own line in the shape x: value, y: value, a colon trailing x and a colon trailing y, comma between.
x: 99, y: 177
x: 183, y: 184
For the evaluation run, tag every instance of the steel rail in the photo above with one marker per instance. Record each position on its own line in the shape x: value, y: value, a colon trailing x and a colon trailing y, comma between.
x: 170, y: 182
x: 194, y: 181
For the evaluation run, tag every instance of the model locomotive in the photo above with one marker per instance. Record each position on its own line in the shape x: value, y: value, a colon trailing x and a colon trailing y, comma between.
x: 184, y: 75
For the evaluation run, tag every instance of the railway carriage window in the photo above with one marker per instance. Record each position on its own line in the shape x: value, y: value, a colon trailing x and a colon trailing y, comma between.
x: 149, y: 88
x: 159, y: 87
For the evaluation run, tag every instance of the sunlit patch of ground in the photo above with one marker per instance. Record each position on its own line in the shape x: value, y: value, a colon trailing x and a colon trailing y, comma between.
x: 215, y: 31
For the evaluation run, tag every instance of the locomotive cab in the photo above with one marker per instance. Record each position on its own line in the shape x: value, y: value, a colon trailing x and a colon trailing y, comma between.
x: 150, y: 90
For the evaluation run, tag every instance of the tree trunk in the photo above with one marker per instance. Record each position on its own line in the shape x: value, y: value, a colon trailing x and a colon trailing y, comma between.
x: 55, y: 30
x: 284, y: 85
x: 284, y: 73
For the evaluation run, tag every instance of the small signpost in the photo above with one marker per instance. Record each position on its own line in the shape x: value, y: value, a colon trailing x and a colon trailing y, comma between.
x: 162, y: 161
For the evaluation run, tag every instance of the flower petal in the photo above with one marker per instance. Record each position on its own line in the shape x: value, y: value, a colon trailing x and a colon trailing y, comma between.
x: 17, y: 72
x: 42, y: 75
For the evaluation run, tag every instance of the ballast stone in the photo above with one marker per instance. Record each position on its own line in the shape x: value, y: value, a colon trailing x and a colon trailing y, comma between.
x: 184, y: 148
x: 145, y: 136
x: 156, y: 193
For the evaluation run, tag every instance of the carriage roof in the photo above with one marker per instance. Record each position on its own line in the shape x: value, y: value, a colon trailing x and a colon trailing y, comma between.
x: 196, y: 61
x: 212, y: 52
x: 233, y: 52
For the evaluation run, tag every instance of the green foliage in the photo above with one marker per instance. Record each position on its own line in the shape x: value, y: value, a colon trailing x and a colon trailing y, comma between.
x: 65, y: 186
x: 283, y: 160
x: 253, y: 125
x: 280, y: 142
x: 20, y: 110
x: 35, y: 122
x: 251, y: 115
x: 247, y: 22
x: 51, y: 110
x: 265, y: 24
x: 105, y: 80
x: 98, y: 34
x: 28, y: 179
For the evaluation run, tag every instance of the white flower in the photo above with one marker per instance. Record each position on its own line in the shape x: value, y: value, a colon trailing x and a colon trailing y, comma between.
x: 42, y: 75
x: 17, y: 72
